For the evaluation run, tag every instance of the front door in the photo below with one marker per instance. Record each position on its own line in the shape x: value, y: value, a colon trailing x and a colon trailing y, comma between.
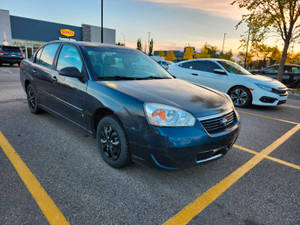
x: 69, y: 93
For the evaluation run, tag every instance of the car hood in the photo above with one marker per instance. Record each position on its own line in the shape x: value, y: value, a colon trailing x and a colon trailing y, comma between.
x: 265, y: 80
x: 199, y: 100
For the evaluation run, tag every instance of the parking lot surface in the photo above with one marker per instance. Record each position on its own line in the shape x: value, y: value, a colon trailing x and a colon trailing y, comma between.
x: 52, y: 173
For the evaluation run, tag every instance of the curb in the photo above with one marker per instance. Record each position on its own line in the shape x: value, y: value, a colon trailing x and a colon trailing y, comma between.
x: 294, y: 96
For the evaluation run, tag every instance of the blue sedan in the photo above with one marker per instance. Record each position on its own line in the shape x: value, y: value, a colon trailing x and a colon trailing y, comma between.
x: 134, y: 108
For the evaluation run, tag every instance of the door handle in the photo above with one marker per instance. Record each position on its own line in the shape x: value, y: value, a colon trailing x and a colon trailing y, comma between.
x: 195, y: 74
x: 34, y: 70
x: 54, y: 79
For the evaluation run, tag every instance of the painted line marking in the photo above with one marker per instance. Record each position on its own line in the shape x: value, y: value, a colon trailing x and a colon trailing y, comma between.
x: 269, y: 157
x: 272, y: 118
x: 292, y: 106
x: 44, y: 201
x: 6, y: 71
x: 194, y: 208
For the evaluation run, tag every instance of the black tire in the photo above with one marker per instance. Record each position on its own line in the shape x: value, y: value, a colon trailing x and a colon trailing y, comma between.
x: 113, y: 142
x: 32, y: 100
x: 240, y: 96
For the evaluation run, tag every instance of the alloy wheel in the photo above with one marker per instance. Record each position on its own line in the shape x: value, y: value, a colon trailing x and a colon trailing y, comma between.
x: 239, y: 97
x: 110, y: 142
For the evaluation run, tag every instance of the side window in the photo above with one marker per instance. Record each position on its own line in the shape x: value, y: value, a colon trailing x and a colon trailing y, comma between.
x: 38, y: 55
x: 47, y: 56
x: 188, y: 65
x: 69, y: 57
x: 295, y: 70
x: 206, y: 66
x: 273, y: 69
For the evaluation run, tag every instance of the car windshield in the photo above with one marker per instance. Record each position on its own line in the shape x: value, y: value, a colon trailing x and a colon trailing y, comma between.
x: 123, y: 63
x: 232, y: 67
x: 11, y: 49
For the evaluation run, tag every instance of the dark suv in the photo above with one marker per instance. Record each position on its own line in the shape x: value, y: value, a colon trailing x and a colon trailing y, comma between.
x: 11, y: 55
x: 290, y: 77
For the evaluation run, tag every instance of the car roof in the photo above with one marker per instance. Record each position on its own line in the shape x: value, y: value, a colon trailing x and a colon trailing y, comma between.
x: 285, y: 65
x: 85, y: 44
x: 201, y: 59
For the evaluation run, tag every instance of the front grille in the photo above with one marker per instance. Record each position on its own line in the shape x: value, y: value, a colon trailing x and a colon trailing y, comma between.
x: 217, y: 123
x: 211, y: 154
x: 280, y: 92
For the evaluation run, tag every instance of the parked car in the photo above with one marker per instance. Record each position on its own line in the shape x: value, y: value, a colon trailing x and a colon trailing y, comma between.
x: 11, y: 55
x: 165, y: 64
x: 290, y: 77
x: 135, y: 109
x: 228, y: 77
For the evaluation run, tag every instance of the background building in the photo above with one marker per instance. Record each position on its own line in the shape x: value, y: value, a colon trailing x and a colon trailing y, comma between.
x: 30, y: 34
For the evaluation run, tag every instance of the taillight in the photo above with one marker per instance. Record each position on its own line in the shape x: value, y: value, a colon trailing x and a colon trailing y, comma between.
x: 20, y: 65
x: 23, y: 54
x: 1, y: 53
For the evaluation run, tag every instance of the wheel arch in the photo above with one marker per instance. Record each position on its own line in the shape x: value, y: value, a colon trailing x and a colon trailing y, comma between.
x: 238, y: 85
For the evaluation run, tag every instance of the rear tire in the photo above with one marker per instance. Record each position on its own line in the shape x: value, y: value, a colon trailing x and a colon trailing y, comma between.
x: 113, y: 142
x: 32, y: 100
x: 240, y: 96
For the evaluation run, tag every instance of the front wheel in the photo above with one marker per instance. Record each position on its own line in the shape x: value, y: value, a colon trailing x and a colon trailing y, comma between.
x: 113, y: 143
x: 240, y: 96
x: 32, y: 100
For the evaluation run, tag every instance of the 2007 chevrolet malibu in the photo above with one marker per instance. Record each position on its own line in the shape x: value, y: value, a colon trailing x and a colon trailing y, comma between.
x: 135, y: 109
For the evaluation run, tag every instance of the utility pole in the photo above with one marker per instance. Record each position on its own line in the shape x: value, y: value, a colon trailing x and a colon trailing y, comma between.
x: 148, y: 39
x: 101, y: 21
x: 223, y: 43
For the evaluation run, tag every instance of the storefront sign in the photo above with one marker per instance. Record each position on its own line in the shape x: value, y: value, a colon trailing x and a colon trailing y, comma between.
x: 67, y: 32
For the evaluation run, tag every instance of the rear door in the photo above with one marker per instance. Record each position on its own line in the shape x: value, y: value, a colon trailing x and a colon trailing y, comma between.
x: 42, y: 73
x: 69, y: 93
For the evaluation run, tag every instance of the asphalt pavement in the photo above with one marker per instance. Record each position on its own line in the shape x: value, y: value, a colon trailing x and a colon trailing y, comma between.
x: 256, y: 183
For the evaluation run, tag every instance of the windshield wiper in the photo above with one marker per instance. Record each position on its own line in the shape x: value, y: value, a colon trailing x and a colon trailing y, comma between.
x: 151, y: 77
x: 116, y: 78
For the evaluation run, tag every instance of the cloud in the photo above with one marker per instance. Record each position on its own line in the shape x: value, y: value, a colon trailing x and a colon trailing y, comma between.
x: 220, y: 8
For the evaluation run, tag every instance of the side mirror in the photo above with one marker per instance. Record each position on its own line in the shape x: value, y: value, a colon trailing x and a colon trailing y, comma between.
x: 220, y: 71
x: 70, y: 72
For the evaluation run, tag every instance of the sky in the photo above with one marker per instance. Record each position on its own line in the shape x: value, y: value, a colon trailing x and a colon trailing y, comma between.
x: 173, y: 24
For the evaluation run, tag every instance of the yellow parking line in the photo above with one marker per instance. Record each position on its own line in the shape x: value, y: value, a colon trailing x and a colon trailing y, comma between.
x: 44, y: 201
x: 269, y: 157
x: 6, y: 71
x: 272, y: 118
x: 194, y: 208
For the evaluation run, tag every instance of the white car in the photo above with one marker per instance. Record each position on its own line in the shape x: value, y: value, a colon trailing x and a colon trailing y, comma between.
x: 226, y: 76
x: 165, y: 64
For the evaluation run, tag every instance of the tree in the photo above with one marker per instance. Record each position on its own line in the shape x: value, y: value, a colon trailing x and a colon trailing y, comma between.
x: 170, y: 56
x: 161, y: 54
x: 151, y: 47
x: 267, y: 16
x: 203, y: 53
x: 227, y: 55
x: 139, y: 44
x: 189, y: 53
x: 242, y: 56
x: 211, y: 50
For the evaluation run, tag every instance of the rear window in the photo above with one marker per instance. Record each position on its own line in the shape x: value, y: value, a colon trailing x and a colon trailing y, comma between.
x: 11, y: 49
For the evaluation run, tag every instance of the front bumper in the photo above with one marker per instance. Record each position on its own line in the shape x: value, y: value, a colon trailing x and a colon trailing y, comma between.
x: 179, y: 148
x: 266, y: 98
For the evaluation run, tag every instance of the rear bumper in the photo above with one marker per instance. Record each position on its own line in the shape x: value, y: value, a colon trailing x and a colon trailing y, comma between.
x: 179, y: 148
x: 11, y: 59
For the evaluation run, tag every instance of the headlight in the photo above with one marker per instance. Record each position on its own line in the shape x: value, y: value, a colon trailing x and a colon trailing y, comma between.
x: 264, y: 87
x: 168, y: 116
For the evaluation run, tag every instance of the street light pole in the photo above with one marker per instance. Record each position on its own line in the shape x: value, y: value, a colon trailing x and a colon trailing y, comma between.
x: 246, y: 56
x: 223, y: 43
x: 101, y: 21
